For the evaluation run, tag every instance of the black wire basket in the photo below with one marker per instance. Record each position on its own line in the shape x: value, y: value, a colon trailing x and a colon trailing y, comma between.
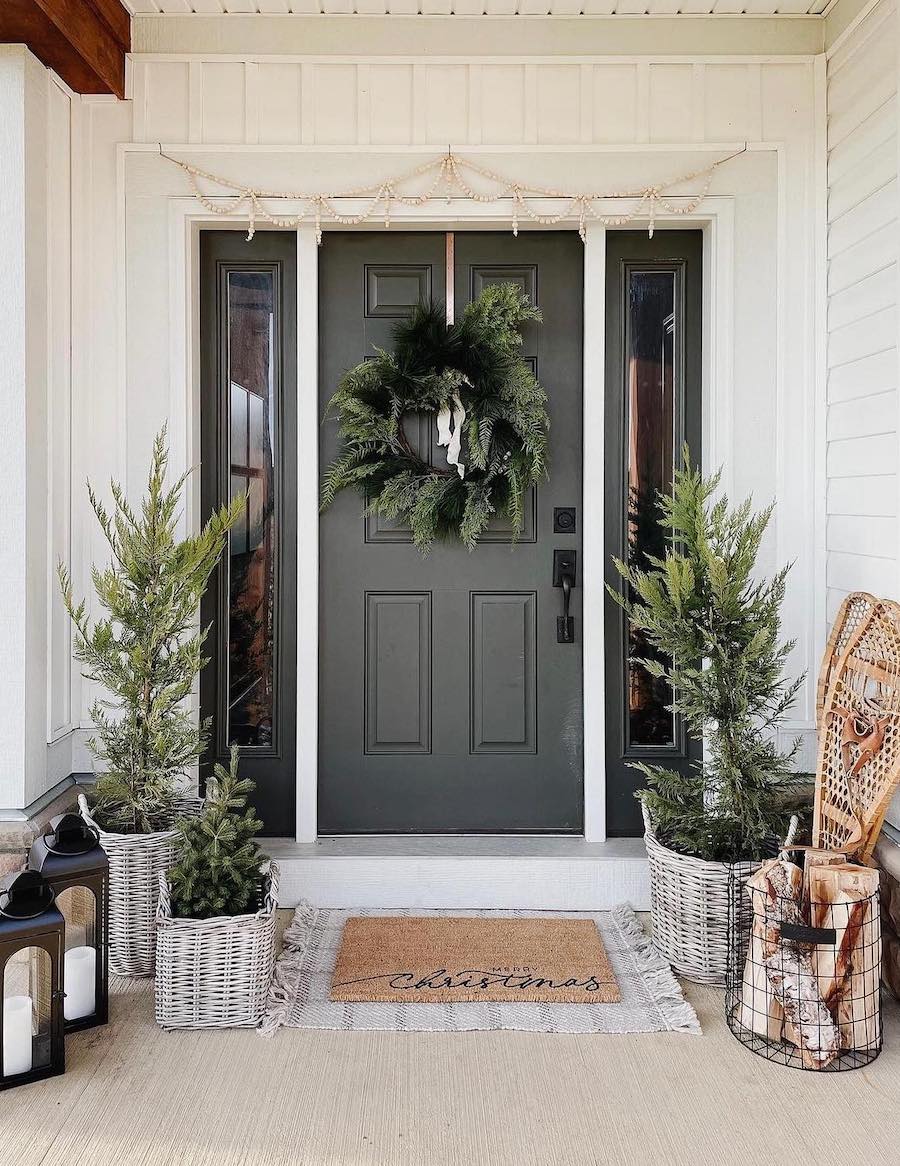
x: 803, y: 983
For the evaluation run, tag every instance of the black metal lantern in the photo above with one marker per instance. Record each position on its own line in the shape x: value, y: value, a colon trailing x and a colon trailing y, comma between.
x: 75, y: 865
x: 32, y: 931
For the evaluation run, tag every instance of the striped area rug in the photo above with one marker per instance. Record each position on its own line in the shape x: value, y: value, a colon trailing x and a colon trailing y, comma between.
x: 651, y: 999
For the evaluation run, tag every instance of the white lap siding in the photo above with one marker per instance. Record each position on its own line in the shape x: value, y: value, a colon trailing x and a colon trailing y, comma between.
x: 863, y: 234
x: 863, y: 318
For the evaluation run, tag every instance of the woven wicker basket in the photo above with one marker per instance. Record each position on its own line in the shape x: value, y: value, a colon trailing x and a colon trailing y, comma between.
x: 215, y: 973
x: 135, y: 863
x: 689, y: 908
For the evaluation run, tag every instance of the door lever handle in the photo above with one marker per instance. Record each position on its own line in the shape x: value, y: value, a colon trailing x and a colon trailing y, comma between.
x: 564, y: 577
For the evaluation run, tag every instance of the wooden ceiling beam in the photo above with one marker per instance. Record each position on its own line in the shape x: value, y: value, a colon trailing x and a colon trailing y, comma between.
x: 84, y: 41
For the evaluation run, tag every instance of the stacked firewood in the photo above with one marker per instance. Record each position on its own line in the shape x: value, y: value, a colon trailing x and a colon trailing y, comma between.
x: 814, y: 956
x: 811, y: 977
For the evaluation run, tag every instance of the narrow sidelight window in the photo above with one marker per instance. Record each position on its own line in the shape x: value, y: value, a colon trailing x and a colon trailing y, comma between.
x: 253, y: 548
x: 651, y: 388
x: 248, y: 427
x: 653, y: 406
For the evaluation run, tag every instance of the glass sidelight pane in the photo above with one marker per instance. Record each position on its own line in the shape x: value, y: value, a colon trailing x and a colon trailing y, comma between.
x: 252, y: 566
x: 651, y: 418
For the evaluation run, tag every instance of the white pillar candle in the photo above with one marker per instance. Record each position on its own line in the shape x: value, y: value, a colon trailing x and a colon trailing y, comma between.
x: 80, y: 983
x: 17, y: 1054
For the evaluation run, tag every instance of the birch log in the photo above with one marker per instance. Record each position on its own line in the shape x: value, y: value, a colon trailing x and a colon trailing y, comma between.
x: 816, y: 857
x: 790, y: 969
x: 844, y: 898
x: 759, y: 1010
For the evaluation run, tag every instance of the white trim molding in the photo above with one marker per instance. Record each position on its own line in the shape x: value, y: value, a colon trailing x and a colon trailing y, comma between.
x: 621, y: 35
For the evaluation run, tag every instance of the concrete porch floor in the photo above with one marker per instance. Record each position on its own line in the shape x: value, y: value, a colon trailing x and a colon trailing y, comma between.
x: 136, y: 1095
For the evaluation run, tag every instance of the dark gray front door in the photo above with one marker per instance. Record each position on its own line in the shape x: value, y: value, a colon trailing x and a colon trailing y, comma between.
x: 445, y: 702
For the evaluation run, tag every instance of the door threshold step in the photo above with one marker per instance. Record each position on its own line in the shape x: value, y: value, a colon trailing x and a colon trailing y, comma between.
x: 533, y: 873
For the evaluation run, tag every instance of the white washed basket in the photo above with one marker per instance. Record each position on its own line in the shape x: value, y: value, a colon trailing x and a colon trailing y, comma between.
x: 215, y: 973
x: 689, y: 907
x: 135, y: 863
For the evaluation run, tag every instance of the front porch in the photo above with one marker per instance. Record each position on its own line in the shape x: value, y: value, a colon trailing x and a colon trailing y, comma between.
x: 444, y: 732
x: 140, y: 1097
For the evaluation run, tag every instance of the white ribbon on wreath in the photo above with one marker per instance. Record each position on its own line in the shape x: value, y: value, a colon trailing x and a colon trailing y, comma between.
x: 450, y: 422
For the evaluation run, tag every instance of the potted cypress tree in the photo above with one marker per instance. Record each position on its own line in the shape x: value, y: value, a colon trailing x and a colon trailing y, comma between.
x: 216, y: 918
x: 713, y: 630
x: 146, y: 651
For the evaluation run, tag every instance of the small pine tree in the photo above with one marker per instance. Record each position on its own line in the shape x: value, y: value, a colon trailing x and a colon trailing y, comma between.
x: 217, y: 863
x: 715, y: 633
x: 146, y: 651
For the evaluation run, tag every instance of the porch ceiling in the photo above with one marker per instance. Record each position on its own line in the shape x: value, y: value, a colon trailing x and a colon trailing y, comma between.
x: 482, y: 7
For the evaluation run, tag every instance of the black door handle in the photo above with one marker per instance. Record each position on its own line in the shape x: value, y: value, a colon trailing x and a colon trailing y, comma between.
x: 564, y: 576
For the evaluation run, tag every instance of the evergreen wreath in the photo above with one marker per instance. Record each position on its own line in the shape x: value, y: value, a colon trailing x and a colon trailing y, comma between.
x: 491, y: 413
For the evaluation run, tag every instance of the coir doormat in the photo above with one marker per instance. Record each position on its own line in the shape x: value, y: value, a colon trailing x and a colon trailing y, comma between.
x: 431, y: 960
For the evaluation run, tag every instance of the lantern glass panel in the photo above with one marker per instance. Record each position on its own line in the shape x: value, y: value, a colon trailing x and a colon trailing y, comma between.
x: 79, y: 907
x: 26, y: 1011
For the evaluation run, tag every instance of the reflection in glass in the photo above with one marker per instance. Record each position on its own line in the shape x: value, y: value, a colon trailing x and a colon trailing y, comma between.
x: 252, y: 568
x: 650, y: 453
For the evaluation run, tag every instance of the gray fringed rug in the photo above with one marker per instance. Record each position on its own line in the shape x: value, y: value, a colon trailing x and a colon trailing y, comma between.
x: 652, y: 1000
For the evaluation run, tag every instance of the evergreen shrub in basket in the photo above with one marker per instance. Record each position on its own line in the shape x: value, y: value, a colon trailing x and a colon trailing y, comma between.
x: 714, y: 628
x: 216, y: 919
x: 144, y: 651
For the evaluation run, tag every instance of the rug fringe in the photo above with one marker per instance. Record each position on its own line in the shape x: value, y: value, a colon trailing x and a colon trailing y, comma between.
x: 286, y: 977
x: 658, y: 977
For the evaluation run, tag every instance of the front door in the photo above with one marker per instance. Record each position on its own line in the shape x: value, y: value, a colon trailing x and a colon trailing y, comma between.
x: 446, y: 704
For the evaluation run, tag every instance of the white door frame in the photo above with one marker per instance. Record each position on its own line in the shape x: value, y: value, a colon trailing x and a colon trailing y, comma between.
x: 186, y: 219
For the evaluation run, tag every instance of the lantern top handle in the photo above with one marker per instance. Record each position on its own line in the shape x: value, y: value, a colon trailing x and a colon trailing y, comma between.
x: 70, y: 834
x: 25, y: 894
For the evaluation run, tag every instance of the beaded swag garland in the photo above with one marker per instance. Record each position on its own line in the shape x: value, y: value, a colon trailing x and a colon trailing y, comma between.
x: 447, y: 177
x: 491, y: 417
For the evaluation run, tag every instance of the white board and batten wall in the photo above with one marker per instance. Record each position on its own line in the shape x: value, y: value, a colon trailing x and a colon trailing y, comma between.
x: 40, y: 173
x: 587, y: 121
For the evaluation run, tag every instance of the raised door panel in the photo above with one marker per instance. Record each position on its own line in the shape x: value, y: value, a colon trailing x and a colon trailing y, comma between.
x: 393, y: 290
x: 503, y: 660
x: 398, y: 672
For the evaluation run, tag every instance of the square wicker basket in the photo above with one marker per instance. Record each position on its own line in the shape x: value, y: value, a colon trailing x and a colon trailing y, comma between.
x: 214, y: 973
